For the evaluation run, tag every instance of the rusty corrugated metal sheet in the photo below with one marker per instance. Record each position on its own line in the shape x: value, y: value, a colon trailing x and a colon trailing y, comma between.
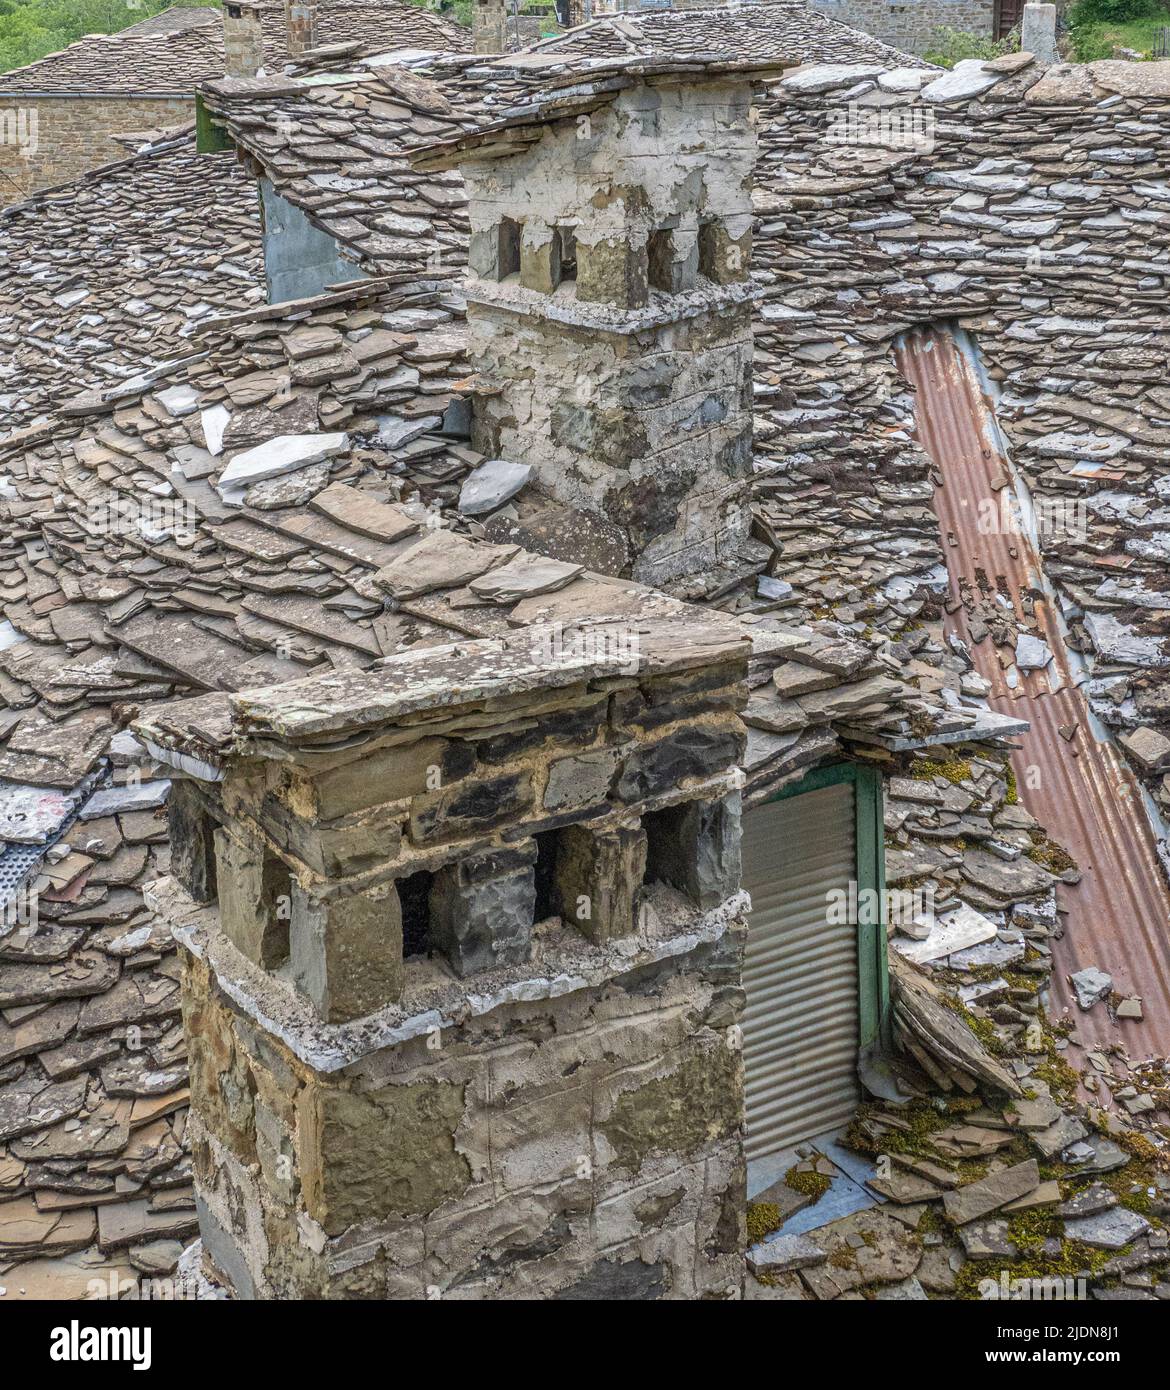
x: 1118, y: 916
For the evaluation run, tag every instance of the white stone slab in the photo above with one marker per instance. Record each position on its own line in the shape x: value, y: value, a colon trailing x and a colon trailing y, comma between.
x: 953, y: 931
x: 966, y: 79
x: 284, y: 454
x: 214, y: 421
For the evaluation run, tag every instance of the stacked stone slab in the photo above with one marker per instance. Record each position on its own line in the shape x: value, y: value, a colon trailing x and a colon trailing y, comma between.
x: 463, y: 940
x: 609, y: 303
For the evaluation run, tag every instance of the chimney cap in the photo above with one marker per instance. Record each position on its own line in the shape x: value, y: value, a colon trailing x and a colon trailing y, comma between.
x: 592, y: 86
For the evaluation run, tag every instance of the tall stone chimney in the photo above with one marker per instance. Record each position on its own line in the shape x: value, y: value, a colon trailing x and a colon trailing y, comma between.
x: 489, y: 26
x: 1038, y: 33
x: 462, y: 945
x: 243, y: 38
x: 301, y: 21
x: 609, y: 304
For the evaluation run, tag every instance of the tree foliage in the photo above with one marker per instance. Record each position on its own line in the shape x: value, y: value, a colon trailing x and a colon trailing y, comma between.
x: 31, y: 28
x: 1112, y: 11
x: 951, y: 46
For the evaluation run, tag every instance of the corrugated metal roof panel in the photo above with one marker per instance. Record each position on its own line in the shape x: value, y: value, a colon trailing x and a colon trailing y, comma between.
x: 1087, y: 798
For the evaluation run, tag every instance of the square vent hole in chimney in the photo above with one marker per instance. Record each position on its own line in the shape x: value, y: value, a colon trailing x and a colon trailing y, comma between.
x: 567, y: 253
x: 660, y: 258
x: 545, y: 875
x: 414, y: 895
x: 667, y: 842
x: 508, y: 251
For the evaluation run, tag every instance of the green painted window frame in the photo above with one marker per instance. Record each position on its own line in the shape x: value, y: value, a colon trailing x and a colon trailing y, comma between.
x: 210, y: 136
x: 873, y: 971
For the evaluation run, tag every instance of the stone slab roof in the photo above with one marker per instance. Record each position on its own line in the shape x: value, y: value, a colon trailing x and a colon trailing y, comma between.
x: 169, y: 59
x: 139, y: 583
x: 1055, y: 253
x: 782, y: 29
x: 107, y: 276
x: 175, y: 20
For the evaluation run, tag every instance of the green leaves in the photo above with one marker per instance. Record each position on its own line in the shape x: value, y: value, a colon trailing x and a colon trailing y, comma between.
x: 30, y: 29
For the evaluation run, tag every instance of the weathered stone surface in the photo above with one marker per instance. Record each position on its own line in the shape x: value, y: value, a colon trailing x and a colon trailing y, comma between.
x: 966, y: 79
x: 346, y: 953
x: 480, y: 917
x: 784, y: 1253
x: 382, y: 1153
x: 968, y: 1203
x: 29, y: 1104
x: 491, y: 485
x: 1059, y: 1135
x: 127, y: 1223
x: 1150, y: 748
x: 524, y: 576
x: 580, y: 781
x: 696, y: 1103
x: 440, y: 560
x: 281, y: 455
x: 631, y: 1280
x: 1002, y: 880
x: 868, y: 1247
x: 1094, y: 1199
x: 1107, y: 1230
x: 255, y: 898
x: 1091, y: 986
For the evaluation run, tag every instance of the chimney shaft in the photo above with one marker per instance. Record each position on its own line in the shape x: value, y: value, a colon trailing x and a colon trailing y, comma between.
x: 301, y: 17
x: 243, y: 38
x: 489, y: 26
x: 1038, y: 33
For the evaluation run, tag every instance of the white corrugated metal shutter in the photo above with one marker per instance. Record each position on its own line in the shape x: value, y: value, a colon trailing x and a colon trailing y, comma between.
x: 800, y: 973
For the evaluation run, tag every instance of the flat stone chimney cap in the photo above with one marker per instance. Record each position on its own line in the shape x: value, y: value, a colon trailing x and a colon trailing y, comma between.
x: 436, y: 678
x: 586, y: 87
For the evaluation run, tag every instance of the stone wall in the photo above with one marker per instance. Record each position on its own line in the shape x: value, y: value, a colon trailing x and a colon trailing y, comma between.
x: 572, y: 1147
x: 609, y: 304
x: 45, y: 141
x: 910, y: 26
x: 650, y: 430
x: 463, y: 973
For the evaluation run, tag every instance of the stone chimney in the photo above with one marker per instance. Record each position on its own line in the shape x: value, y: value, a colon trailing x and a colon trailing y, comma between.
x: 489, y: 26
x: 609, y: 304
x: 463, y: 940
x: 1038, y: 33
x: 301, y: 20
x: 243, y: 38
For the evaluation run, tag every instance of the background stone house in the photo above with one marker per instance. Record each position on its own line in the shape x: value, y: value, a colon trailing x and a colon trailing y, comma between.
x: 63, y: 114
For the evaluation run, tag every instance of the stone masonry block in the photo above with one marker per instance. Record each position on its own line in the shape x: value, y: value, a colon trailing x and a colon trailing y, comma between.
x: 347, y: 952
x: 389, y: 1152
x: 540, y: 267
x: 612, y: 272
x: 391, y: 774
x: 724, y: 258
x: 191, y: 831
x: 581, y: 781
x: 598, y: 877
x: 468, y: 810
x: 692, y: 751
x: 482, y: 910
x: 254, y: 900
